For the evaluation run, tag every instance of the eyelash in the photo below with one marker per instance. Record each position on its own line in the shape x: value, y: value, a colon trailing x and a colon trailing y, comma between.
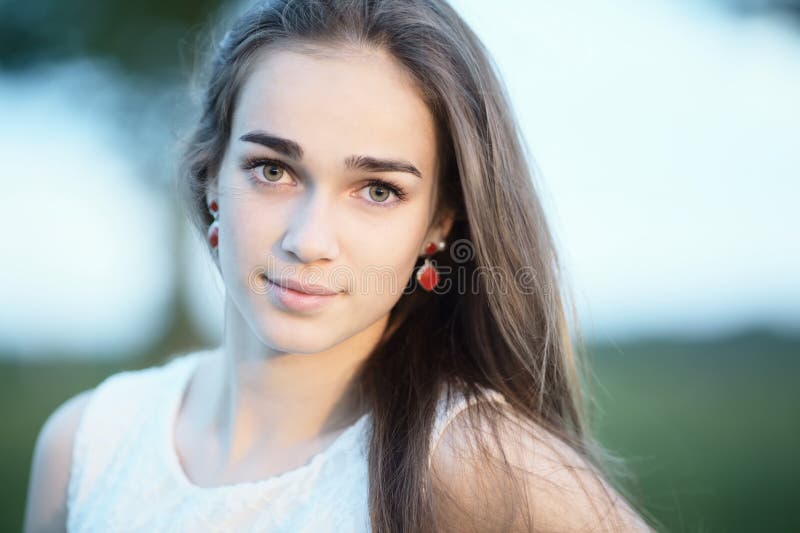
x: 251, y: 163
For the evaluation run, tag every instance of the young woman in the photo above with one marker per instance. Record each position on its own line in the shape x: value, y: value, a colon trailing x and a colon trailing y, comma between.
x: 396, y: 355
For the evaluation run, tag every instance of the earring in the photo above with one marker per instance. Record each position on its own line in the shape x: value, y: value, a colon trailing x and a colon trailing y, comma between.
x: 213, y: 229
x: 427, y: 275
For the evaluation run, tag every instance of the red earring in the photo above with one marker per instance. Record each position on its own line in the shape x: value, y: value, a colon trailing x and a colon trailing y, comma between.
x: 213, y: 234
x: 427, y: 275
x: 213, y: 229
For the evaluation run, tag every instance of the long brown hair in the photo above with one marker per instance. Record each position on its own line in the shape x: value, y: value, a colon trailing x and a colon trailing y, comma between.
x: 475, y: 338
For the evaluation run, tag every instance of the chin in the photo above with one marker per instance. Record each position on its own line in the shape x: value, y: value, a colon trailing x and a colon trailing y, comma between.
x: 293, y: 335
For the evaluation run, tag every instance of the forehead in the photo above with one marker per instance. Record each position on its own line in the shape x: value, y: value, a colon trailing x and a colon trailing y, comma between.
x: 342, y: 102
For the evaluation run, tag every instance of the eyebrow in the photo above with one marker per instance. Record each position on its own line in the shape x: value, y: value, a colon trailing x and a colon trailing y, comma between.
x: 359, y: 162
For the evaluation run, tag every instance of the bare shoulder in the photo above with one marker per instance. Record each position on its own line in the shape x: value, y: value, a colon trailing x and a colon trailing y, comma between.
x: 524, y: 480
x: 46, y: 508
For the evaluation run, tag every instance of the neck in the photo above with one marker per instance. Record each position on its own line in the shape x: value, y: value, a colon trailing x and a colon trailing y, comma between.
x: 249, y: 389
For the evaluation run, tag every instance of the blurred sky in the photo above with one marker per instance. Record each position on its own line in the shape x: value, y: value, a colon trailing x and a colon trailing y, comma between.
x: 665, y: 134
x: 668, y: 136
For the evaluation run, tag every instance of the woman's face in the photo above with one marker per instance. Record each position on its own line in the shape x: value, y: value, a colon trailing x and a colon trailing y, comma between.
x: 328, y: 179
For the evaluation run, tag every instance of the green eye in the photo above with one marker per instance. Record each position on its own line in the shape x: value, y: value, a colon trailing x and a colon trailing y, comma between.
x: 382, y: 193
x: 272, y: 172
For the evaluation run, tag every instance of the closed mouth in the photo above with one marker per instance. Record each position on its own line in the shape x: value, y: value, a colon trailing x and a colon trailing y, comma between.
x: 296, y: 286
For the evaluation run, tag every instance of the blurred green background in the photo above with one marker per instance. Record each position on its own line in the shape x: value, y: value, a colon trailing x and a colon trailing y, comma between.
x: 709, y: 428
x: 709, y: 424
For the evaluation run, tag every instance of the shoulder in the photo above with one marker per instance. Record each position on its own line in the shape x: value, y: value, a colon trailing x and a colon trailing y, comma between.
x: 46, y: 507
x: 505, y: 473
x: 96, y: 417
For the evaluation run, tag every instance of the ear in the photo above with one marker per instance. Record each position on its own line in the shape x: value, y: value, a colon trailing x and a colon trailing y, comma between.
x: 446, y: 224
x: 440, y: 230
x: 211, y: 192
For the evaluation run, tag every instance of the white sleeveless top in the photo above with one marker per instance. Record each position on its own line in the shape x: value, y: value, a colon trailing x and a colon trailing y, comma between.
x: 126, y: 475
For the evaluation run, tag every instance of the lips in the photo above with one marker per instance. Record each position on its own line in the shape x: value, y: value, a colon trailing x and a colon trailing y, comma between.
x: 306, y: 288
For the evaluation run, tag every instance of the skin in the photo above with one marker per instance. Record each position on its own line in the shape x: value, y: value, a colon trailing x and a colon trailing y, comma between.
x: 280, y: 368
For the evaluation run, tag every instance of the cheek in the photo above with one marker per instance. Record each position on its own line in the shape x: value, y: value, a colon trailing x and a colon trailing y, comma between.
x: 382, y: 256
x: 247, y: 233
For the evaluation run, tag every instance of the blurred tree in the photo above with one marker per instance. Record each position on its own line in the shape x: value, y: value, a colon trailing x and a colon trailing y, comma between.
x: 144, y: 37
x: 153, y: 47
x: 750, y: 7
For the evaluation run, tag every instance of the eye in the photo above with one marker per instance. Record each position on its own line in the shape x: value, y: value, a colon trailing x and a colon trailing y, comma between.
x: 380, y: 191
x: 272, y: 171
x: 264, y: 172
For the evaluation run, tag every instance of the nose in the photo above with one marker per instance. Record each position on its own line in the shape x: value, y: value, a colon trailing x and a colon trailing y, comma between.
x: 311, y: 234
